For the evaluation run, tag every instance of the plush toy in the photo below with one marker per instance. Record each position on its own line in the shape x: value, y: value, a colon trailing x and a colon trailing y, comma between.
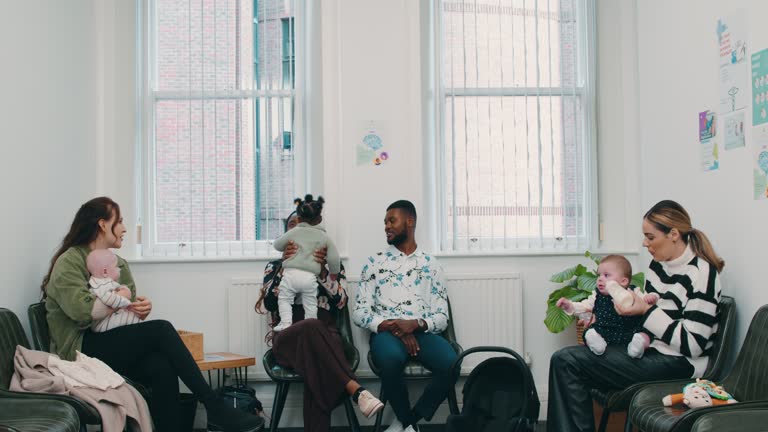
x: 700, y: 394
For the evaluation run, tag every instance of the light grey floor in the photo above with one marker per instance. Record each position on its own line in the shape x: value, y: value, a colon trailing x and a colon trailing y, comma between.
x: 541, y: 427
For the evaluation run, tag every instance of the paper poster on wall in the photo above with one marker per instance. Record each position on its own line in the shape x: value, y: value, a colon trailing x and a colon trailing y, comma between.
x: 760, y: 87
x: 734, y: 76
x: 760, y: 162
x: 710, y: 152
x: 707, y: 125
x: 733, y: 130
x: 370, y: 149
x: 710, y: 156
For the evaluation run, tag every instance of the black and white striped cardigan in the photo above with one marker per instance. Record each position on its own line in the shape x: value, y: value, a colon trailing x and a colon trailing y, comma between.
x: 684, y: 320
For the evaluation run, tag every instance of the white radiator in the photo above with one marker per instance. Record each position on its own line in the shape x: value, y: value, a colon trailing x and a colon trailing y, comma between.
x: 247, y: 328
x: 487, y: 310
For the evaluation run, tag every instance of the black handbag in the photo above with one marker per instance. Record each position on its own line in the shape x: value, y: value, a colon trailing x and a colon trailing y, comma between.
x: 242, y: 397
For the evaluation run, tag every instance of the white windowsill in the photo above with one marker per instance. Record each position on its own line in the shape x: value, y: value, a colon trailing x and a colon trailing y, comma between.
x: 203, y: 259
x: 531, y: 253
x: 133, y: 259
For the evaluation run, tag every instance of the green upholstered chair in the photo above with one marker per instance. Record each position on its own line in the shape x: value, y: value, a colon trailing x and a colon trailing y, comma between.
x: 618, y: 400
x: 415, y: 370
x: 38, y: 323
x: 283, y: 377
x: 41, y: 338
x: 37, y: 415
x: 12, y: 335
x: 747, y: 382
x: 748, y: 420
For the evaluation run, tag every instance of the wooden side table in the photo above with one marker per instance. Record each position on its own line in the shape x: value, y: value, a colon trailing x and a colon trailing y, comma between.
x: 220, y: 361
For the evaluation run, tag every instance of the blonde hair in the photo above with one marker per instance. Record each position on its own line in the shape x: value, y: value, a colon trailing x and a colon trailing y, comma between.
x: 668, y: 215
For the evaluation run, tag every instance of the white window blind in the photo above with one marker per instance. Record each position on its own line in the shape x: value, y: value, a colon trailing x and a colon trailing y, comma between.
x: 218, y: 125
x: 515, y: 128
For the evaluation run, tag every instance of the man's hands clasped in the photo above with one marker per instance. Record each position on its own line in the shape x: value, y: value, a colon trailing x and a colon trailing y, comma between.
x: 404, y: 330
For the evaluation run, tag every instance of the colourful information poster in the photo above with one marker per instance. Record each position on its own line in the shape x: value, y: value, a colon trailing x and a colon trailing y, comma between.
x: 370, y: 150
x: 760, y: 87
x: 733, y: 125
x: 760, y: 162
x: 732, y: 47
x: 710, y: 152
x: 706, y: 126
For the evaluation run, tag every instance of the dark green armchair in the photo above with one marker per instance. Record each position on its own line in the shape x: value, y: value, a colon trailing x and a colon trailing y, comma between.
x: 619, y: 400
x: 747, y: 382
x: 12, y: 335
x: 748, y: 420
x: 283, y: 377
x: 415, y: 370
x: 32, y: 415
x: 38, y: 324
x: 41, y: 338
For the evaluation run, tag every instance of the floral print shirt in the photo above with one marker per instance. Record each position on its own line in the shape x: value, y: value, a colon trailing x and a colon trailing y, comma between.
x: 329, y: 293
x: 398, y: 286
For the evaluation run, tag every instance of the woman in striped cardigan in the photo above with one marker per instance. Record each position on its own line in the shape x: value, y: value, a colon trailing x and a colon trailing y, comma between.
x: 685, y: 273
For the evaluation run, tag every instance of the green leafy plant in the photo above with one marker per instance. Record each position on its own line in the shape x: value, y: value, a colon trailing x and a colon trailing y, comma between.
x: 579, y: 282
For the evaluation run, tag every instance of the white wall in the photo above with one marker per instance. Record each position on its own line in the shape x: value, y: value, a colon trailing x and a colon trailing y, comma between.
x: 678, y: 78
x: 372, y: 68
x: 49, y: 152
x: 618, y: 152
x: 377, y: 74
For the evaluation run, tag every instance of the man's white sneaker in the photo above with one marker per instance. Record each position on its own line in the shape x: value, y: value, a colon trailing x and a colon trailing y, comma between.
x: 368, y: 404
x: 395, y: 426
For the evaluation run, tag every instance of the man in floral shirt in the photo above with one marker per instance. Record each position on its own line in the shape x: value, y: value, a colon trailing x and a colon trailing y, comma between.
x: 402, y: 300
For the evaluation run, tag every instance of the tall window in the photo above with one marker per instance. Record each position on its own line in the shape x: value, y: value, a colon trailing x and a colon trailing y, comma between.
x: 289, y: 69
x: 219, y: 97
x: 514, y: 141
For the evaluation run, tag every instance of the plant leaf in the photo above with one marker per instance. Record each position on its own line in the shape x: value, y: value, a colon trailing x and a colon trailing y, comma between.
x: 557, y: 320
x: 587, y: 281
x: 569, y: 292
x: 564, y: 275
x: 596, y: 259
x: 580, y: 270
x: 638, y: 280
x: 581, y: 295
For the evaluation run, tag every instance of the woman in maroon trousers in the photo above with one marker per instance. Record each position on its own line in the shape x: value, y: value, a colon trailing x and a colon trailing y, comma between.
x: 313, y: 347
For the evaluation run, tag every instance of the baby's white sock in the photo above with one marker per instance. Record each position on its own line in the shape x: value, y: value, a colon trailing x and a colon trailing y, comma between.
x: 595, y: 342
x: 282, y: 325
x: 637, y: 346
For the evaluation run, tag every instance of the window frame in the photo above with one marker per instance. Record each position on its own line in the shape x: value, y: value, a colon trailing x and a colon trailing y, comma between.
x: 435, y: 111
x: 146, y: 97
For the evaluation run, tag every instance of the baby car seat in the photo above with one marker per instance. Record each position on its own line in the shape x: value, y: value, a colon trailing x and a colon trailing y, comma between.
x: 499, y: 395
